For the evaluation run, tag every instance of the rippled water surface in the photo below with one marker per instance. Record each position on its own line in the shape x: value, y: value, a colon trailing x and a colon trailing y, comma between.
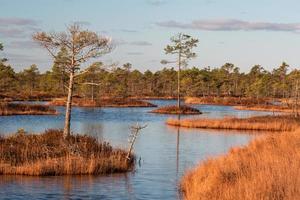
x: 165, y: 153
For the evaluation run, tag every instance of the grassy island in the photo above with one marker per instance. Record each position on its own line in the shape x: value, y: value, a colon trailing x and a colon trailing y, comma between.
x: 7, y: 108
x: 226, y: 101
x: 256, y: 123
x: 173, y: 109
x: 50, y: 154
x: 267, y: 107
x: 105, y: 102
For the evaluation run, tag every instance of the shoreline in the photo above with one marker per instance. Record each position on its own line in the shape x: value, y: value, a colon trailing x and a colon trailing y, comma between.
x: 257, y: 123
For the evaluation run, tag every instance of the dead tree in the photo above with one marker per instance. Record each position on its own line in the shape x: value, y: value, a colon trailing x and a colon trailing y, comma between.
x: 81, y: 46
x: 132, y: 137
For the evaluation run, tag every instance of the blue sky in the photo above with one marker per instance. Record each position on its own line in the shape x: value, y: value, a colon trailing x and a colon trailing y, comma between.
x: 245, y: 33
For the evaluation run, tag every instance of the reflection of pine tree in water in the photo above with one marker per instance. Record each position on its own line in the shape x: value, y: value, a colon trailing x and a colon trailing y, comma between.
x: 177, y: 147
x: 93, y: 129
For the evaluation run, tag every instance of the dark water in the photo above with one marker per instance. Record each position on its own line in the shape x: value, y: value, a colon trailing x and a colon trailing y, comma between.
x: 165, y: 153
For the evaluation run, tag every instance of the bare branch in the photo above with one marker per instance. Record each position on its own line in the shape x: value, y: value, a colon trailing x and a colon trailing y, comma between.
x: 81, y: 73
x: 89, y: 83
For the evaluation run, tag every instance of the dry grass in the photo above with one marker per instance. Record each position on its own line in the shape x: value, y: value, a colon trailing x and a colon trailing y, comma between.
x: 184, y: 110
x: 268, y: 168
x: 273, y: 108
x: 23, y: 96
x: 103, y: 102
x: 50, y: 154
x: 257, y: 123
x: 155, y: 97
x: 25, y: 109
x: 227, y: 101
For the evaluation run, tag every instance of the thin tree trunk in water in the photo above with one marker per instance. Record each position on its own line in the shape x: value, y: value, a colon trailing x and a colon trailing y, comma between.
x: 69, y: 107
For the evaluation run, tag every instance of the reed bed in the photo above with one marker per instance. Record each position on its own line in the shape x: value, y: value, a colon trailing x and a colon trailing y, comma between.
x: 272, y: 108
x: 103, y: 102
x: 7, y: 108
x: 25, y: 96
x: 268, y: 168
x: 50, y: 154
x: 173, y: 109
x: 226, y: 101
x: 256, y: 123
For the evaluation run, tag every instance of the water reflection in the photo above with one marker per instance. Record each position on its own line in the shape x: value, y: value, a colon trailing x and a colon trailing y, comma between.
x: 177, y: 155
x: 93, y: 129
x: 67, y: 187
x: 177, y: 146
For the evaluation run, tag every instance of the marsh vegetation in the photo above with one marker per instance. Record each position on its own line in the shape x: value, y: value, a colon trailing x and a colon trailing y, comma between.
x: 7, y: 108
x: 268, y: 168
x: 257, y: 123
x: 103, y: 102
x: 50, y: 153
x: 174, y: 109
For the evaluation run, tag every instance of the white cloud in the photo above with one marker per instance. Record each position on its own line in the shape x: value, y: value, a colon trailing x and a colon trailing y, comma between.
x: 140, y: 43
x: 156, y: 2
x: 231, y: 25
x: 17, y: 27
x: 17, y: 22
x: 134, y: 53
x: 26, y: 44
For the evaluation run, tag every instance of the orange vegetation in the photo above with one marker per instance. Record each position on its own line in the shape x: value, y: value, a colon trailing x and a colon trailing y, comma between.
x: 155, y: 97
x: 104, y: 102
x: 228, y: 101
x: 25, y: 109
x: 258, y: 123
x: 267, y: 107
x: 25, y: 96
x: 184, y: 110
x: 268, y: 168
x: 51, y: 154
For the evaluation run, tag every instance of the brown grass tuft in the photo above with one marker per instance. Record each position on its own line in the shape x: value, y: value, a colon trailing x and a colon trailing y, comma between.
x: 184, y: 110
x: 50, y: 154
x: 25, y: 109
x: 257, y: 123
x: 267, y: 168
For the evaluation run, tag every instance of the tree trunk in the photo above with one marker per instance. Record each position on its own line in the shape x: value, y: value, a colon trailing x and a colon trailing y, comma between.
x: 92, y: 90
x: 178, y: 84
x: 69, y: 106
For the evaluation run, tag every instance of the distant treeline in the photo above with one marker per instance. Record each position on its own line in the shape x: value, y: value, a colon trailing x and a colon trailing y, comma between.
x: 100, y: 81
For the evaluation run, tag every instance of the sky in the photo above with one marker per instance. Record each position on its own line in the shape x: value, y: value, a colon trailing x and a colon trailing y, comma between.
x: 245, y: 33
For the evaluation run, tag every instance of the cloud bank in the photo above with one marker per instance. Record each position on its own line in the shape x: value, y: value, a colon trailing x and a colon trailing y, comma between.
x: 140, y: 43
x: 231, y: 25
x: 17, y: 22
x: 17, y: 27
x: 156, y: 2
